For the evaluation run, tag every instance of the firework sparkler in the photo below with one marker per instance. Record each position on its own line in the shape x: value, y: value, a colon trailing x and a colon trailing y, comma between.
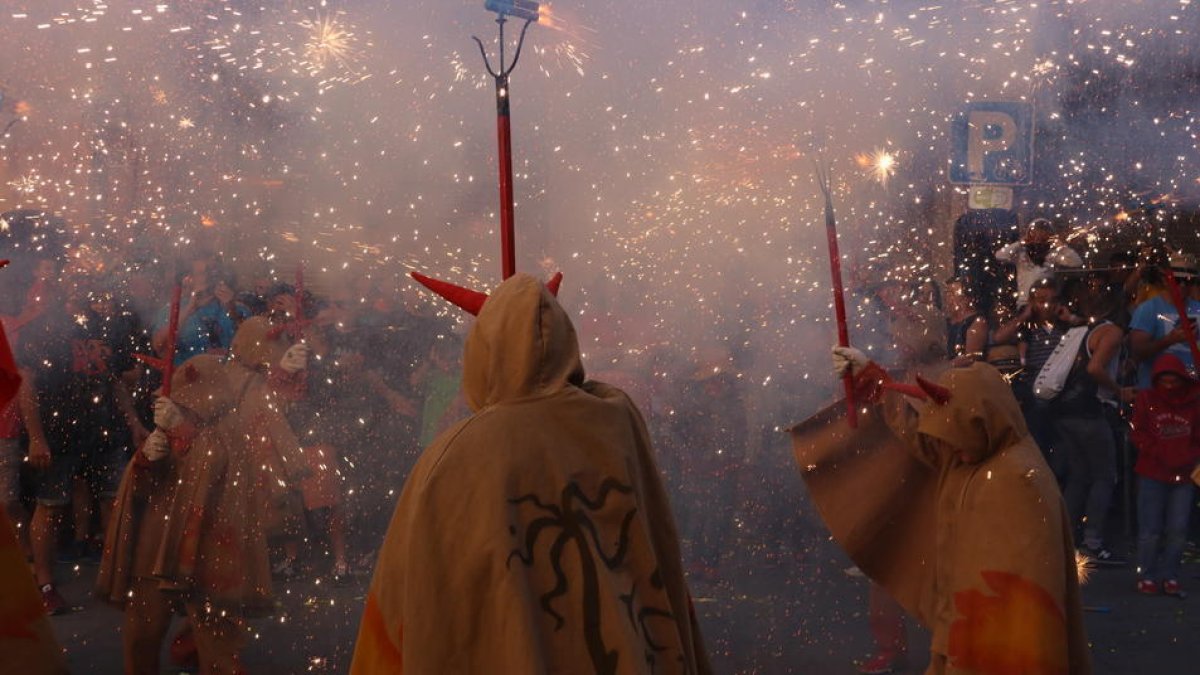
x: 330, y: 44
x: 879, y: 164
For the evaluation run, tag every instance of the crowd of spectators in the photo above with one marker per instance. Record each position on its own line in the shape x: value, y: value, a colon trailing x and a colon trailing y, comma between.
x: 382, y: 376
x: 1094, y: 352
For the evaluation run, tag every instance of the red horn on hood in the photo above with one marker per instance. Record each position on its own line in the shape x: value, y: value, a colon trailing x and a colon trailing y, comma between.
x: 554, y: 283
x: 465, y: 298
x: 907, y: 389
x: 940, y: 395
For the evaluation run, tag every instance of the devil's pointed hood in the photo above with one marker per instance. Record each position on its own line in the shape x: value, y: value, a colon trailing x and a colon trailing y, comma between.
x: 523, y: 345
x: 982, y: 417
x: 977, y: 546
x: 254, y: 347
x: 534, y: 536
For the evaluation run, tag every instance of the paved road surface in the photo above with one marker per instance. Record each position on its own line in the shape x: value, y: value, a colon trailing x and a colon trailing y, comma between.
x: 787, y: 613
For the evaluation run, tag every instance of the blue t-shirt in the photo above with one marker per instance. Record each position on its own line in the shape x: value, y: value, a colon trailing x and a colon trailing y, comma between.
x: 1158, y: 316
x: 208, y: 328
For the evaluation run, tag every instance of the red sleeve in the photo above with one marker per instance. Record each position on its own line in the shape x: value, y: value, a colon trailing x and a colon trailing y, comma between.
x: 182, y: 436
x: 10, y: 378
x: 868, y: 384
x: 288, y: 386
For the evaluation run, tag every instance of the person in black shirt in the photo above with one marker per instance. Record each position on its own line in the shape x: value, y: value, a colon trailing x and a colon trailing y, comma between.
x: 79, y: 416
x: 1038, y: 329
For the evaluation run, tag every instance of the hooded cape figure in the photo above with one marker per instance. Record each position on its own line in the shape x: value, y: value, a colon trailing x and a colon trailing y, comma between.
x: 534, y: 536
x: 952, y: 510
x: 189, y: 531
x: 242, y: 465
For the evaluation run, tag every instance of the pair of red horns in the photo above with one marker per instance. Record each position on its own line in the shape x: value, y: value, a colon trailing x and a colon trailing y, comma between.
x: 923, y: 390
x: 467, y: 299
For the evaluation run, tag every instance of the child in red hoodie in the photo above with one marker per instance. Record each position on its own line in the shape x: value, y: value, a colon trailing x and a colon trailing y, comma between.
x: 1166, y: 430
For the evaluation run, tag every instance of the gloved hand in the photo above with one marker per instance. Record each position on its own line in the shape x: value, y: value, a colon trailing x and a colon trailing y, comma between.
x: 295, y: 358
x: 167, y: 415
x: 848, y: 360
x: 157, y: 445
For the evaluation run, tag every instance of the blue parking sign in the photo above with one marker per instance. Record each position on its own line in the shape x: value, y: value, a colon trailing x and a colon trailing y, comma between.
x: 992, y: 144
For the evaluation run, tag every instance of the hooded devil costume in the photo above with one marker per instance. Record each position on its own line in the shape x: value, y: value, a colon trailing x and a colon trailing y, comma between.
x: 534, y: 536
x: 950, y: 507
x: 188, y: 531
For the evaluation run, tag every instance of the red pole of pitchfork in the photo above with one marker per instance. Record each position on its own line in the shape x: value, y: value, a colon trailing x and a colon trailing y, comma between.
x: 527, y: 10
x: 295, y: 327
x: 172, y: 336
x: 1181, y: 306
x: 839, y: 293
x: 166, y: 365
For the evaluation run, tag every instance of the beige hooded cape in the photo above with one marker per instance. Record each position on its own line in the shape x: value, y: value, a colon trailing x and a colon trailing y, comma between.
x: 535, y: 536
x: 198, y: 519
x: 27, y: 643
x: 976, y: 545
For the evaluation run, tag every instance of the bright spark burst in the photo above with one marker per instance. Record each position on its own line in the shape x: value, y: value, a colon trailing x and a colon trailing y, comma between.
x: 1083, y: 567
x: 879, y: 164
x: 567, y: 50
x: 27, y: 184
x: 330, y: 43
x: 186, y: 123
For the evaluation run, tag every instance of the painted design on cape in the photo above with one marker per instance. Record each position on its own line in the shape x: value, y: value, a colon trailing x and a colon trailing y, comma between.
x: 1015, y: 627
x: 572, y: 517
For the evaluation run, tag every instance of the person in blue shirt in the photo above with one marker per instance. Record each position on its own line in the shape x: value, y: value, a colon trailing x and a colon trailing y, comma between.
x: 208, y: 315
x: 1156, y: 328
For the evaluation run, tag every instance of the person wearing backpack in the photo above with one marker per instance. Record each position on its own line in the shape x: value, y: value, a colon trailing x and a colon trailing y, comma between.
x: 1039, y: 329
x: 1080, y: 424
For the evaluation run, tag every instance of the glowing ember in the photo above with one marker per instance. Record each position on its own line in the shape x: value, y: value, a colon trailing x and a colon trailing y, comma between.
x: 1083, y: 567
x: 879, y: 164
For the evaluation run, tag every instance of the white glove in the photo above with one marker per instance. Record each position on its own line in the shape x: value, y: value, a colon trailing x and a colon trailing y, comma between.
x: 848, y: 359
x: 295, y: 358
x: 167, y: 415
x: 157, y: 445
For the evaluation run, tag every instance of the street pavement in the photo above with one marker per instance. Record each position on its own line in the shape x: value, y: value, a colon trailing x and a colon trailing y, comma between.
x: 766, y: 610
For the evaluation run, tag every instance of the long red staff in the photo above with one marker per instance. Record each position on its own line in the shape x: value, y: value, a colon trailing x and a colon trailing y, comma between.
x: 527, y: 10
x: 295, y: 327
x: 1181, y: 306
x: 166, y: 365
x: 839, y: 293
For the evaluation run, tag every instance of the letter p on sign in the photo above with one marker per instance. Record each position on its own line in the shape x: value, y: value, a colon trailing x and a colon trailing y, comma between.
x: 992, y: 144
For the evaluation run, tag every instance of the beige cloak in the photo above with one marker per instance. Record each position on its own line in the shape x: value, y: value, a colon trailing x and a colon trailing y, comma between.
x: 535, y: 536
x: 976, y: 544
x: 27, y: 643
x: 237, y: 468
